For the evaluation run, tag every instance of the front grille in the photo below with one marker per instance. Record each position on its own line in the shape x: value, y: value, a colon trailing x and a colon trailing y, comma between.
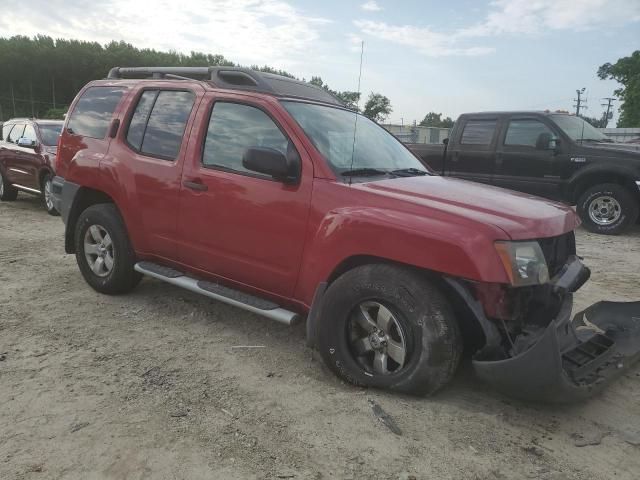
x: 557, y: 250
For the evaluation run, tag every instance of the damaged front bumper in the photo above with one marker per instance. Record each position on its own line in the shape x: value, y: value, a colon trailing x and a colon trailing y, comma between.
x: 573, y: 358
x: 569, y: 359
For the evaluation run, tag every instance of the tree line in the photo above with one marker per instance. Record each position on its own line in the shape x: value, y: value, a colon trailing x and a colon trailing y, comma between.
x: 40, y: 76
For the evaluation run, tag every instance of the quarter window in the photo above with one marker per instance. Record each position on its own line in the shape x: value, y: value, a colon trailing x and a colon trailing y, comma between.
x: 525, y: 132
x: 233, y: 128
x: 158, y: 122
x: 15, y: 134
x: 94, y: 110
x: 478, y: 132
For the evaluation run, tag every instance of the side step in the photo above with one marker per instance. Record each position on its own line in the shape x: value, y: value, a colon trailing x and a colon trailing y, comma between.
x: 219, y: 292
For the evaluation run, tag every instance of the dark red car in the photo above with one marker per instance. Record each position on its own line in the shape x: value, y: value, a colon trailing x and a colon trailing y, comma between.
x: 27, y: 153
x: 266, y: 193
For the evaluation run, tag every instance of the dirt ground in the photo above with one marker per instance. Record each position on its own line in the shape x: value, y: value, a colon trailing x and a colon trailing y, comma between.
x: 149, y: 386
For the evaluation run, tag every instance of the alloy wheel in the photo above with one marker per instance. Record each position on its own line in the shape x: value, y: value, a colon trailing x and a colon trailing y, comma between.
x: 48, y: 198
x: 98, y: 250
x: 377, y: 340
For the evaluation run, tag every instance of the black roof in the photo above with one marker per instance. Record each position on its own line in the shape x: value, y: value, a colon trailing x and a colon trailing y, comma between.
x: 236, y: 78
x: 515, y: 112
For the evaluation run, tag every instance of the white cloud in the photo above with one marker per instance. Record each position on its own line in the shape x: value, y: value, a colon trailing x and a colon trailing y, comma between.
x: 522, y: 17
x: 371, y: 6
x: 531, y: 17
x: 425, y: 40
x: 248, y: 31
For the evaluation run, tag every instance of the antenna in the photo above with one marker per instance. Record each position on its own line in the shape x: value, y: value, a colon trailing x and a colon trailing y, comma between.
x: 355, y: 114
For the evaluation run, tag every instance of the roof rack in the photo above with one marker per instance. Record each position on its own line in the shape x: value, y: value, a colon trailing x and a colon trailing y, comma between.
x: 233, y: 78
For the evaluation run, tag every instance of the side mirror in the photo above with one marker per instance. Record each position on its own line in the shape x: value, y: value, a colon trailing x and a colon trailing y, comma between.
x: 26, y: 143
x: 285, y: 168
x: 545, y: 141
x: 445, y: 141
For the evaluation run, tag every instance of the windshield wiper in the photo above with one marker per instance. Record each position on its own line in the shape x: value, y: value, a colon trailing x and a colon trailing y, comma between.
x: 364, y: 172
x: 409, y: 172
x: 599, y: 140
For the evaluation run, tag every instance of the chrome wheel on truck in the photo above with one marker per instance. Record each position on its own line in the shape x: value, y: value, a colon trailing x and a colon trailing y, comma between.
x: 608, y: 208
x: 388, y: 326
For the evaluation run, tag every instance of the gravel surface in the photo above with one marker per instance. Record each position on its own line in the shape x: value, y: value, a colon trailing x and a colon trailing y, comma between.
x: 148, y: 385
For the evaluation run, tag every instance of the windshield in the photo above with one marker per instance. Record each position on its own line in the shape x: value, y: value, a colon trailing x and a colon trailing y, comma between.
x: 376, y: 151
x: 50, y: 133
x: 578, y: 129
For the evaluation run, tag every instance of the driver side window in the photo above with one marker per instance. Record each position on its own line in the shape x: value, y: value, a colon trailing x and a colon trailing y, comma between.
x: 233, y: 128
x: 525, y: 132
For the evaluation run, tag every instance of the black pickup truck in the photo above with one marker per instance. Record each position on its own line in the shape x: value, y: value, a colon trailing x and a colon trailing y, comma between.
x: 553, y: 155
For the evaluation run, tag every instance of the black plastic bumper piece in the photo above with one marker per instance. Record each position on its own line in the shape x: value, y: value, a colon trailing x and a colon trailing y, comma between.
x: 570, y: 360
x: 62, y: 194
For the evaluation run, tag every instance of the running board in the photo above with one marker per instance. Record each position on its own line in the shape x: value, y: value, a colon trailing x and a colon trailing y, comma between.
x: 219, y: 292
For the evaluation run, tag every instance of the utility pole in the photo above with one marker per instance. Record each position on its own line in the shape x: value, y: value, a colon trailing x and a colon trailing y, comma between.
x: 608, y: 113
x: 579, y: 101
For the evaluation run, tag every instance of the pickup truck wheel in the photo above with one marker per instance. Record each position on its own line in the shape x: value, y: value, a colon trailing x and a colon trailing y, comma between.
x: 608, y: 209
x: 7, y: 192
x: 103, y: 251
x: 47, y: 196
x: 388, y: 327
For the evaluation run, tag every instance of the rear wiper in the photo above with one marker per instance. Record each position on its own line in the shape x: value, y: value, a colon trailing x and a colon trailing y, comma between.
x: 409, y: 172
x: 364, y: 172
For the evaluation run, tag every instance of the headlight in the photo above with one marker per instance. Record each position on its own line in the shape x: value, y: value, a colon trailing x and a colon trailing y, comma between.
x: 524, y: 263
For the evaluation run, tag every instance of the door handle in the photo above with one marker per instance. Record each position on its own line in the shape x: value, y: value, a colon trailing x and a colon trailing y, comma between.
x: 195, y: 185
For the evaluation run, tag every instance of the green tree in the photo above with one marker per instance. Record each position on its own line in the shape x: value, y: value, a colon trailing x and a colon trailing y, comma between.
x: 596, y: 122
x: 626, y: 71
x: 378, y: 107
x: 433, y: 119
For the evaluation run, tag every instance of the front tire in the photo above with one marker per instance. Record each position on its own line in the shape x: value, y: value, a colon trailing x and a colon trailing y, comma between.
x: 7, y: 192
x: 47, y: 196
x: 608, y: 209
x: 103, y: 251
x: 389, y: 327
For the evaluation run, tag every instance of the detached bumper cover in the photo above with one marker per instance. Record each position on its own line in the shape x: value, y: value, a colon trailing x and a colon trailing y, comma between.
x: 571, y: 360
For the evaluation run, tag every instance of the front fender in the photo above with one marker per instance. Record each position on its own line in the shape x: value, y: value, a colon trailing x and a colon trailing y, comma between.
x: 455, y: 249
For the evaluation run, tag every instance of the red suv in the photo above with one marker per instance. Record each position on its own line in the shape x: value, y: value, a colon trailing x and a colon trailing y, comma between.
x: 27, y: 152
x: 266, y: 193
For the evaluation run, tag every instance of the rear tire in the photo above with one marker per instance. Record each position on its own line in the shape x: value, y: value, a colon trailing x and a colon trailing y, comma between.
x: 103, y: 250
x: 608, y: 209
x: 7, y: 192
x: 47, y: 197
x: 419, y: 319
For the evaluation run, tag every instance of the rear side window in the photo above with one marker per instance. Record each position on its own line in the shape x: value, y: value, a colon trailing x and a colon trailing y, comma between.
x: 478, y: 132
x: 94, y: 110
x: 525, y: 132
x: 30, y: 134
x: 158, y: 122
x: 233, y: 129
x: 15, y: 134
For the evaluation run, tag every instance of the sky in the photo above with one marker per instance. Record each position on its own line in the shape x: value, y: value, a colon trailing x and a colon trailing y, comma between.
x: 446, y: 56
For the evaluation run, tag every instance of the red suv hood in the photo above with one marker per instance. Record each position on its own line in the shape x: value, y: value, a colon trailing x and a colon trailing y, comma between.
x: 519, y: 215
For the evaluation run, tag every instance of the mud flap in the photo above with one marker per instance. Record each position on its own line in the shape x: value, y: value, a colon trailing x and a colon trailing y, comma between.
x: 570, y: 360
